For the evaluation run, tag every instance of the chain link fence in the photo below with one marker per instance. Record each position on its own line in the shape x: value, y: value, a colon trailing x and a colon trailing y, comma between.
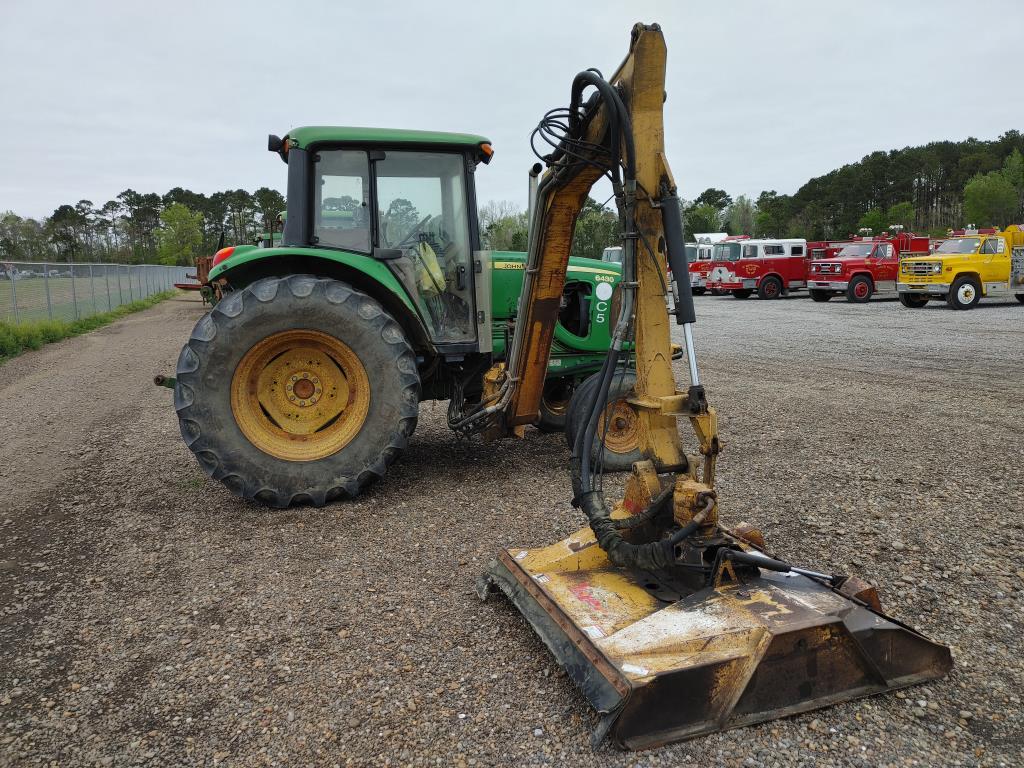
x: 64, y: 291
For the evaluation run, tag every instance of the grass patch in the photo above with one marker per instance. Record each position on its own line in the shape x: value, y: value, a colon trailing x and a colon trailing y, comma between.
x: 15, y: 339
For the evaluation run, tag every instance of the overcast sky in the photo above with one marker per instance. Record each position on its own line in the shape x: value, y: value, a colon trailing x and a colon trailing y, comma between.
x: 96, y: 97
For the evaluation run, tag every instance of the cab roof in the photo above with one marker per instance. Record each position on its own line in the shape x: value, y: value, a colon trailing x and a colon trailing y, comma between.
x: 306, y: 136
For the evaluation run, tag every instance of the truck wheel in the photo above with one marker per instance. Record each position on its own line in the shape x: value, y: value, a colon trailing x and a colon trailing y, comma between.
x: 698, y: 291
x: 859, y: 290
x: 819, y: 295
x: 964, y: 293
x: 620, y: 419
x: 770, y: 288
x: 1020, y: 297
x: 297, y: 390
x: 913, y: 300
x: 742, y: 293
x: 554, y: 404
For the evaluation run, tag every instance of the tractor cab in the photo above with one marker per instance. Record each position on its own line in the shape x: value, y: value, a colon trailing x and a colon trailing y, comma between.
x: 404, y: 199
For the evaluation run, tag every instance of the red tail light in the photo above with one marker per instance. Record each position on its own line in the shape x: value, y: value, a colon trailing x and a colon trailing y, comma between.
x: 222, y: 254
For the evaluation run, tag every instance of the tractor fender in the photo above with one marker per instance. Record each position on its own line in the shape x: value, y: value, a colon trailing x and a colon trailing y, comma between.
x: 362, y: 272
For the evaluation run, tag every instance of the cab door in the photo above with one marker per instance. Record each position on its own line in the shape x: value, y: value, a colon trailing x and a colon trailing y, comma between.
x: 995, y: 264
x: 423, y: 230
x: 886, y: 267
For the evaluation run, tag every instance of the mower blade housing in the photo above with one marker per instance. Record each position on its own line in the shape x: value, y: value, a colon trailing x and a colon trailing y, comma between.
x: 663, y: 666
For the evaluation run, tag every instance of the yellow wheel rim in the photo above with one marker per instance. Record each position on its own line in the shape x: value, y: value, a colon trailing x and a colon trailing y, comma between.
x: 300, y: 395
x: 623, y: 433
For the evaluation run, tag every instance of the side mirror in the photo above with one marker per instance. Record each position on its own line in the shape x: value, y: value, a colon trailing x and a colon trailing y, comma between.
x: 388, y: 254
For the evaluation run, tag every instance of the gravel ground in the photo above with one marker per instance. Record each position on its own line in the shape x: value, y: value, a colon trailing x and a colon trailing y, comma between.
x: 150, y: 618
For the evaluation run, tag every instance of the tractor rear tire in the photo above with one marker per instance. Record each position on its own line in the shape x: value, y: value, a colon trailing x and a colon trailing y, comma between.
x: 770, y: 288
x: 859, y: 290
x: 819, y: 295
x: 554, y: 404
x: 621, y: 441
x: 742, y: 293
x: 913, y: 300
x: 297, y: 390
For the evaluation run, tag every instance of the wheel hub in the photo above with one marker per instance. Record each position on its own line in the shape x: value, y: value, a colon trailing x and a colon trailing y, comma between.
x: 304, y: 389
x: 300, y: 395
x: 623, y: 422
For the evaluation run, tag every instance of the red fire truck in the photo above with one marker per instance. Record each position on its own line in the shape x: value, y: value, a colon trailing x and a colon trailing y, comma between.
x: 863, y: 267
x: 772, y: 267
x: 698, y: 256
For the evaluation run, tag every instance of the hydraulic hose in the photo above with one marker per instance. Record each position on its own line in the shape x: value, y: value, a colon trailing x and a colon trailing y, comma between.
x: 656, y: 555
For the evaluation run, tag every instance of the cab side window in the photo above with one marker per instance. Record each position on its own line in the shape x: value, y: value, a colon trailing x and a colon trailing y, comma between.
x: 796, y: 250
x: 774, y: 250
x: 992, y: 245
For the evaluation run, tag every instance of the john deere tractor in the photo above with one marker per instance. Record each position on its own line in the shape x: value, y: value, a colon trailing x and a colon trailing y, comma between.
x: 303, y: 383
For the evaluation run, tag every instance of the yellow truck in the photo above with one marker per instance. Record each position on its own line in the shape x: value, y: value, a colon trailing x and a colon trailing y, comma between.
x: 970, y: 264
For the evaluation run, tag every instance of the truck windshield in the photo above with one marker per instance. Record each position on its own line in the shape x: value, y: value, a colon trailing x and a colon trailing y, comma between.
x: 726, y: 252
x: 691, y: 254
x: 857, y: 249
x: 960, y: 245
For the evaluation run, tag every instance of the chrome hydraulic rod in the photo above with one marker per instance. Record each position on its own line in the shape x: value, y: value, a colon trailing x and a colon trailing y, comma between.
x: 691, y: 355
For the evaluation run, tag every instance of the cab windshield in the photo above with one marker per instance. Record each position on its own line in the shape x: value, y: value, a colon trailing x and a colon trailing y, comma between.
x: 960, y: 245
x: 726, y: 252
x: 691, y: 254
x: 857, y: 249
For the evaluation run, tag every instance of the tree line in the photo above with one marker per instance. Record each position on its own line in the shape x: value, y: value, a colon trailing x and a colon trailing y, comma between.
x: 137, y: 228
x: 929, y: 189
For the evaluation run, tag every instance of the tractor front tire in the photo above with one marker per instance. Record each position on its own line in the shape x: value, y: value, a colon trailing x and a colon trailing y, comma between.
x: 619, y: 429
x: 554, y: 404
x: 297, y: 390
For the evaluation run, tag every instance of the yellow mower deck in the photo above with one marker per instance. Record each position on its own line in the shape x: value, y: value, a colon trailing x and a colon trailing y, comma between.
x: 662, y: 663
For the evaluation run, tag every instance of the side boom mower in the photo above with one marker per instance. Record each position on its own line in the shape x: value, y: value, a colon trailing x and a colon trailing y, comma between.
x: 671, y: 624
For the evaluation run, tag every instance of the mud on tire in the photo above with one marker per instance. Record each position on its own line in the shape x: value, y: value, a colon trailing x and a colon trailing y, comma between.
x: 220, y: 340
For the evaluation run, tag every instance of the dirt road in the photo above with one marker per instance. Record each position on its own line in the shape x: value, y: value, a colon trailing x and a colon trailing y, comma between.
x: 150, y: 618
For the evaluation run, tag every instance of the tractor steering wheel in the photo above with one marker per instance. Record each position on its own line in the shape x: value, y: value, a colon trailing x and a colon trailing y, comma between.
x: 408, y: 239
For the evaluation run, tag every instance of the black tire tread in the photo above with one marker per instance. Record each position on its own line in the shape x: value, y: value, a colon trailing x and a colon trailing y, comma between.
x: 218, y: 463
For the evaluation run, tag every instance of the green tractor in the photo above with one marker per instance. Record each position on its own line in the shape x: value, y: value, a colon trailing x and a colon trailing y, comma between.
x: 303, y: 383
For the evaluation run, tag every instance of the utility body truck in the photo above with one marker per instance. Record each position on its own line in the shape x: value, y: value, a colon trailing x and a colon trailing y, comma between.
x: 863, y: 267
x: 968, y: 265
x: 771, y: 267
